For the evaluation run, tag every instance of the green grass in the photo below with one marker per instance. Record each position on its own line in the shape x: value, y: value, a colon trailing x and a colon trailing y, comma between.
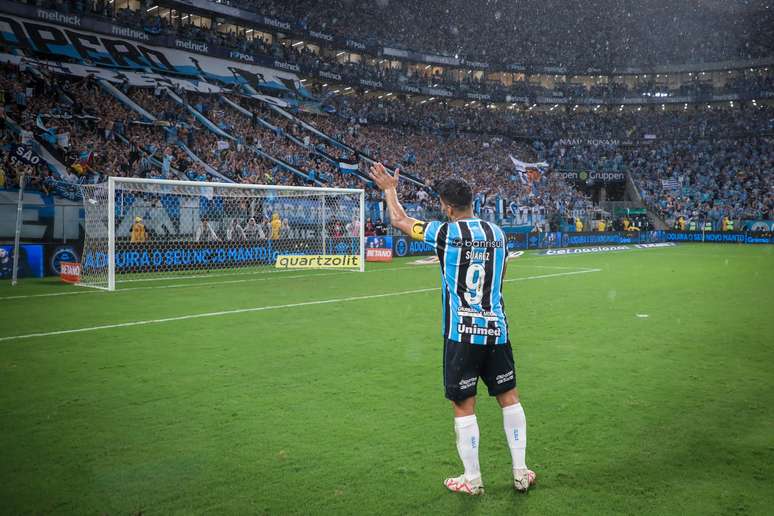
x: 338, y: 408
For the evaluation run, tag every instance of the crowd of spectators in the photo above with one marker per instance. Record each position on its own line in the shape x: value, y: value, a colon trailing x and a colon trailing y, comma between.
x: 697, y: 164
x: 699, y: 181
x: 361, y: 17
x: 532, y: 31
x: 556, y: 124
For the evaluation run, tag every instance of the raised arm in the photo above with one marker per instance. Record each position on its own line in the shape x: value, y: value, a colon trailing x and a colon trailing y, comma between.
x: 389, y: 185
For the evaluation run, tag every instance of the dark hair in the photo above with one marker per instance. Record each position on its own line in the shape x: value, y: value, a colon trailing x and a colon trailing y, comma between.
x: 455, y: 192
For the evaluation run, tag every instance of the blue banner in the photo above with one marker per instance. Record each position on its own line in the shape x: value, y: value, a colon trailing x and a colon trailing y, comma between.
x: 757, y: 225
x: 405, y: 246
x: 149, y: 257
x: 30, y: 261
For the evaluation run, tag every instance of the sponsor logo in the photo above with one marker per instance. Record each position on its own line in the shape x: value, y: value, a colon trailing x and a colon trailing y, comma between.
x: 355, y: 44
x: 479, y: 96
x: 273, y: 22
x: 515, y: 254
x: 321, y: 35
x: 317, y: 261
x: 476, y: 64
x: 57, y: 17
x: 378, y: 254
x: 480, y: 314
x: 401, y: 247
x: 330, y: 75
x: 505, y: 377
x: 571, y: 142
x: 592, y: 176
x: 241, y: 56
x: 437, y: 92
x: 489, y: 244
x: 761, y: 226
x: 70, y: 272
x: 287, y: 66
x: 369, y: 82
x: 467, y: 383
x: 463, y: 329
x: 126, y: 32
x: 62, y: 255
x: 191, y: 45
x: 512, y: 98
x: 603, y: 249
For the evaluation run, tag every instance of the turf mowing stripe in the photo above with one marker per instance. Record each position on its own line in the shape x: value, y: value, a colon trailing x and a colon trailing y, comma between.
x: 264, y: 308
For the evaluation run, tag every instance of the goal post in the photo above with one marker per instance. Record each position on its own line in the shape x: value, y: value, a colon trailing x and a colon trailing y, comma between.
x: 154, y: 229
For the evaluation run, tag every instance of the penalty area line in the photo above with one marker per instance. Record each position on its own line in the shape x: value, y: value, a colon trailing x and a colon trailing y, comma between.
x: 265, y: 308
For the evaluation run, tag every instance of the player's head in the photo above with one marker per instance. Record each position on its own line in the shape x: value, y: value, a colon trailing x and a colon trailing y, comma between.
x: 456, y: 196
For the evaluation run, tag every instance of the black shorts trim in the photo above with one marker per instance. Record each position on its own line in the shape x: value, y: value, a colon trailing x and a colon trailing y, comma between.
x: 464, y: 364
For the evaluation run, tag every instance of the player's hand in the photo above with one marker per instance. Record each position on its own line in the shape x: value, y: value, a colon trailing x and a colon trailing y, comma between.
x: 382, y: 178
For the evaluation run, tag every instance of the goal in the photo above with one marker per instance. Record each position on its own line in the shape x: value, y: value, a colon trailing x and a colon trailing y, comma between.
x: 153, y: 229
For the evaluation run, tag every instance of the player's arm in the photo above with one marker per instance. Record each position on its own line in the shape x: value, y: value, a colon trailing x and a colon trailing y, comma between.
x: 398, y: 217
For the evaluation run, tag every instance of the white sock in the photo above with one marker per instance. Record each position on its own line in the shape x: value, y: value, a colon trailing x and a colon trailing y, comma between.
x: 515, y: 425
x: 466, y: 429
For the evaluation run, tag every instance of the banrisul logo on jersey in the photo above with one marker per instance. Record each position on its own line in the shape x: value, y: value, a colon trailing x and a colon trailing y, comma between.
x: 490, y: 244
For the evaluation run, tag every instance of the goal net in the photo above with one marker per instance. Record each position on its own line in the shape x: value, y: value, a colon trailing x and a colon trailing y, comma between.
x: 151, y: 229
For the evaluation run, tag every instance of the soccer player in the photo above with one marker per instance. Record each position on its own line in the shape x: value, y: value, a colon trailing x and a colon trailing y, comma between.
x: 472, y: 255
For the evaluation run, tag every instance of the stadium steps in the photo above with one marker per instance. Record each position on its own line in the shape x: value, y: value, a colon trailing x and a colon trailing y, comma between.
x: 275, y: 129
x: 327, y: 157
x: 633, y: 193
x: 126, y: 101
x: 207, y: 123
x: 153, y: 160
x: 207, y: 167
x: 355, y: 152
x: 260, y: 152
x: 212, y: 127
x: 147, y: 116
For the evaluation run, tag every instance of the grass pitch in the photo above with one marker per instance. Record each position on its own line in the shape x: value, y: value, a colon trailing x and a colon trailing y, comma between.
x: 647, y: 377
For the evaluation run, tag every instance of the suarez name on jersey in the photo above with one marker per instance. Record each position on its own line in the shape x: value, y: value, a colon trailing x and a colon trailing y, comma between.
x: 473, y: 255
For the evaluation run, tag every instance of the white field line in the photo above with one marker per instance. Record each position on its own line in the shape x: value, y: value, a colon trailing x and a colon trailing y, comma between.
x: 265, y: 308
x: 557, y: 267
x: 196, y: 284
x: 85, y: 290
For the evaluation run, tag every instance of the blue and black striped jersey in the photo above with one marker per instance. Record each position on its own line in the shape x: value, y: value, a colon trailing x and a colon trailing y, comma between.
x: 473, y: 254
